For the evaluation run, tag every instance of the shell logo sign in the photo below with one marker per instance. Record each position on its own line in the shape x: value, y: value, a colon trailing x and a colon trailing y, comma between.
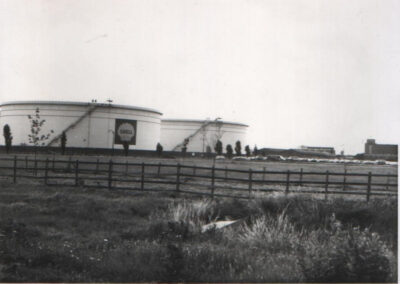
x: 125, y: 131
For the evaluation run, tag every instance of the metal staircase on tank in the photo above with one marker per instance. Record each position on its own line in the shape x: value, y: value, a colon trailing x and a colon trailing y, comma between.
x: 202, y: 127
x: 87, y: 113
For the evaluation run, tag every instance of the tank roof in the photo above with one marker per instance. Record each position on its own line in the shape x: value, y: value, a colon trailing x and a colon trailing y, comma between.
x: 71, y: 103
x: 204, y: 121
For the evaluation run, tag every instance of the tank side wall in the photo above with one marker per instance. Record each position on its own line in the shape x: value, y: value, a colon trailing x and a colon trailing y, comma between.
x: 173, y: 133
x: 94, y: 131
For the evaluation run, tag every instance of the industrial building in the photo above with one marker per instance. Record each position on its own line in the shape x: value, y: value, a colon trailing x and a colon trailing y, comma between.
x: 321, y: 150
x: 371, y: 148
x: 108, y: 126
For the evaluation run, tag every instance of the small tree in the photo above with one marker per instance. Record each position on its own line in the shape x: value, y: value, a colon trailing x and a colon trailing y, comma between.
x: 238, y: 148
x: 218, y: 147
x: 63, y: 142
x: 36, y: 138
x: 229, y: 150
x: 159, y: 149
x: 126, y: 147
x: 248, y: 151
x: 255, y: 151
x: 184, y: 146
x: 7, y: 137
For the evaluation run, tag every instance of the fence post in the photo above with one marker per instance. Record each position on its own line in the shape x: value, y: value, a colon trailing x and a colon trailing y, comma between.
x: 126, y: 168
x: 369, y: 185
x: 53, y: 166
x: 110, y: 168
x: 69, y: 164
x: 76, y: 172
x: 194, y: 170
x: 142, y: 178
x: 344, y: 179
x: 35, y: 166
x: 178, y: 174
x: 263, y: 173
x: 26, y: 162
x: 15, y: 169
x: 326, y: 185
x: 250, y: 182
x: 287, y: 182
x: 97, y: 166
x: 159, y: 169
x: 212, y: 181
x: 387, y: 183
x: 301, y: 177
x: 226, y: 173
x: 46, y: 171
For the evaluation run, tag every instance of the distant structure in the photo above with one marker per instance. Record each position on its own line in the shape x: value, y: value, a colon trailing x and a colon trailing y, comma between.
x: 371, y: 148
x: 322, y: 150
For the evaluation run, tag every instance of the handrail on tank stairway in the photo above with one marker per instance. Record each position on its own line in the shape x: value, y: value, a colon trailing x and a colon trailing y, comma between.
x: 88, y: 112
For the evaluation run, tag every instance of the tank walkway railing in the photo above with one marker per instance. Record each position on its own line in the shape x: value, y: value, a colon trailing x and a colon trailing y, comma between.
x: 202, y: 127
x: 87, y: 113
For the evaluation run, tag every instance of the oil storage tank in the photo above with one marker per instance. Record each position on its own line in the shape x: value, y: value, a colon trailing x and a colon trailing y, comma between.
x: 201, y: 135
x: 87, y: 125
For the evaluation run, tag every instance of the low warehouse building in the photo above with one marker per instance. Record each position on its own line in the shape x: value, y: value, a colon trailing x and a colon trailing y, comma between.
x: 201, y: 135
x: 87, y: 125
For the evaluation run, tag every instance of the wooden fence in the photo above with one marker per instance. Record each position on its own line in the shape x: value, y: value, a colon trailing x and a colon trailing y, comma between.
x: 209, y: 181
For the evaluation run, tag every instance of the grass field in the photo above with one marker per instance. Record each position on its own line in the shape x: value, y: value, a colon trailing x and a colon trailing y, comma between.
x: 76, y: 234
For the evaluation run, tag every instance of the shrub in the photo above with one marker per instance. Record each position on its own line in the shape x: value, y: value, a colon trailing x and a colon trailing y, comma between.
x: 159, y: 149
x: 7, y: 137
x: 255, y: 151
x: 351, y: 255
x: 36, y: 138
x: 218, y: 147
x: 238, y: 148
x: 229, y: 150
x: 63, y: 142
x: 248, y: 151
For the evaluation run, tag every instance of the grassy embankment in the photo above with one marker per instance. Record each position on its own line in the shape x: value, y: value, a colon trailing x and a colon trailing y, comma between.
x: 81, y: 235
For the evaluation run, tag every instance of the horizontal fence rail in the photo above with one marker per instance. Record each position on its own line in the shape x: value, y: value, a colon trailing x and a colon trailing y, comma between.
x: 199, y: 180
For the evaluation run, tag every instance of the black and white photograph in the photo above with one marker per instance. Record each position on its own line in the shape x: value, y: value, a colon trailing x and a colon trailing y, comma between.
x: 203, y: 141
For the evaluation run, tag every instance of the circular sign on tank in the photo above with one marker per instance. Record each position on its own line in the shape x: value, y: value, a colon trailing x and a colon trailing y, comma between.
x: 125, y: 131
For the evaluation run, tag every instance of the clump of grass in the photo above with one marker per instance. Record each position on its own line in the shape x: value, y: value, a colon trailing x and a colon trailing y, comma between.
x: 271, y: 233
x: 193, y: 214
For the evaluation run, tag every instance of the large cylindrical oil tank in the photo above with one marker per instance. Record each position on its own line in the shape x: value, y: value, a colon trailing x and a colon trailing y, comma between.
x: 87, y: 125
x: 201, y: 135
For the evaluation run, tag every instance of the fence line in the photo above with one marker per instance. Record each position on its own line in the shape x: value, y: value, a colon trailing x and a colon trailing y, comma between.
x: 117, y: 176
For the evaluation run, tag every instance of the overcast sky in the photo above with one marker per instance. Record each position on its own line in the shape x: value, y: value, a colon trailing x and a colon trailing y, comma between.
x: 312, y: 72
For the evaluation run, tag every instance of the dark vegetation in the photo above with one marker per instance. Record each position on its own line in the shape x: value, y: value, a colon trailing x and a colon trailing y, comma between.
x: 247, y: 150
x: 218, y: 147
x: 255, y: 151
x: 7, y: 137
x: 94, y: 235
x: 238, y: 148
x: 159, y: 149
x: 36, y: 136
x: 63, y: 142
x: 229, y: 150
